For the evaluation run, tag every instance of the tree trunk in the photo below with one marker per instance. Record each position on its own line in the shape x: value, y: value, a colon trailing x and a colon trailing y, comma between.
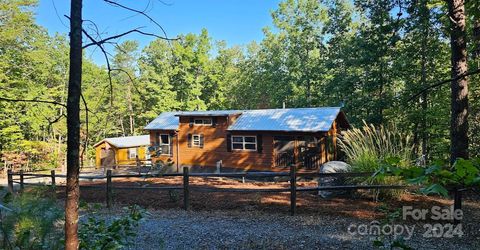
x: 476, y: 39
x: 459, y: 86
x: 73, y: 126
x: 121, y: 126
x: 425, y: 24
x: 130, y: 110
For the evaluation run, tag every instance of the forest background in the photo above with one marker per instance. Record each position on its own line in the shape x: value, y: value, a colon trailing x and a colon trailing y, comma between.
x: 375, y: 58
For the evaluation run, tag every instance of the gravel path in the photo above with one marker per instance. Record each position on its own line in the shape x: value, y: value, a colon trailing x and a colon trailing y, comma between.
x: 174, y: 229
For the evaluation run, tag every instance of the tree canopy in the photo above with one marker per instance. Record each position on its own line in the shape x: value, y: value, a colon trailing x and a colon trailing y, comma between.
x: 372, y: 57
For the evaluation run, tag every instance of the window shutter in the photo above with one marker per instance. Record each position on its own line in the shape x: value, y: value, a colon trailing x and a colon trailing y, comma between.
x: 191, y: 121
x: 201, y: 140
x: 229, y: 143
x: 157, y: 138
x: 171, y: 143
x: 214, y: 121
x: 189, y: 140
x: 259, y: 144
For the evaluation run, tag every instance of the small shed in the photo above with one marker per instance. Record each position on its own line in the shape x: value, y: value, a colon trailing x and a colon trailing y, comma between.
x: 122, y: 151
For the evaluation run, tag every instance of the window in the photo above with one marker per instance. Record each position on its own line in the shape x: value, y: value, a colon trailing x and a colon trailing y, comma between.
x: 196, y: 140
x: 132, y: 153
x: 164, y: 144
x: 204, y: 121
x: 244, y: 143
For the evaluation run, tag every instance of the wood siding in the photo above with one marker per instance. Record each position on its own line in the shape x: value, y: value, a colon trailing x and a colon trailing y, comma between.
x: 121, y: 154
x: 215, y: 146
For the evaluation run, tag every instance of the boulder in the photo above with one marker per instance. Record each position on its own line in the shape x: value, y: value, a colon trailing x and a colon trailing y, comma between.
x: 332, y: 167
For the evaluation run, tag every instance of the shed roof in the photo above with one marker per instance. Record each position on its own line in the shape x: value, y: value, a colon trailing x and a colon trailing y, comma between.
x: 289, y: 120
x: 127, y: 141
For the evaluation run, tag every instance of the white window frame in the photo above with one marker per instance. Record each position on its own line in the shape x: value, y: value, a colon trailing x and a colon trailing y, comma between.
x: 160, y: 143
x: 147, y: 154
x: 196, y: 142
x: 244, y: 143
x: 132, y: 153
x: 202, y: 121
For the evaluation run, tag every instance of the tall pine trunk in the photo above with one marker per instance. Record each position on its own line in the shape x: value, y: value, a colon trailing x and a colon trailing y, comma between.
x: 130, y: 110
x: 73, y: 126
x: 459, y: 85
x: 425, y: 24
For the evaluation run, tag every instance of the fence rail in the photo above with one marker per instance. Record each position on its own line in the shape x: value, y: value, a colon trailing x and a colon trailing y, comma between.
x: 186, y: 187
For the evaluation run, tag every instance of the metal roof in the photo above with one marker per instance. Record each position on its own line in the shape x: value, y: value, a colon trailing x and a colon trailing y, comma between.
x: 166, y: 121
x: 127, y: 141
x: 295, y: 120
x: 210, y: 113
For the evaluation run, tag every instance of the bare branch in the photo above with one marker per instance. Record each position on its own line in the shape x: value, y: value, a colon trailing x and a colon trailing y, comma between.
x: 141, y: 13
x: 32, y: 100
x: 131, y: 79
x: 126, y: 33
x: 443, y: 82
x: 50, y: 123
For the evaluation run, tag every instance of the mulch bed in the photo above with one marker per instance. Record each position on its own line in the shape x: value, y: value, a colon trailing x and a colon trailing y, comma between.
x: 308, y: 203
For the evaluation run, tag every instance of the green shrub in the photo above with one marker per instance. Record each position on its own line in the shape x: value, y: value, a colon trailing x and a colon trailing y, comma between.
x: 34, y: 220
x: 31, y: 220
x: 99, y: 233
x: 440, y: 177
x: 367, y: 148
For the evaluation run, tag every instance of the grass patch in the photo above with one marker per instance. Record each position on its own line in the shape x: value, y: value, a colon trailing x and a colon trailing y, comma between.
x: 368, y: 147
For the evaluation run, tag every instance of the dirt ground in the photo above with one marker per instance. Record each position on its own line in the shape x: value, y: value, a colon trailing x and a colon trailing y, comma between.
x: 331, y: 216
x: 351, y: 205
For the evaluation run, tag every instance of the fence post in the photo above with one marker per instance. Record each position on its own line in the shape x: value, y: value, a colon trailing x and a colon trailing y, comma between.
x: 10, y: 181
x: 22, y: 186
x: 293, y: 189
x: 186, y: 191
x: 109, y: 188
x: 457, y: 202
x: 52, y: 173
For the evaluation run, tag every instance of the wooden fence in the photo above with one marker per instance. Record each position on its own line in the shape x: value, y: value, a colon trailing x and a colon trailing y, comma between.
x: 186, y: 187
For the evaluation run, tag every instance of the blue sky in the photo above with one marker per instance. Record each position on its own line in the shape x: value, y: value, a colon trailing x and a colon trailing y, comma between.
x: 235, y: 21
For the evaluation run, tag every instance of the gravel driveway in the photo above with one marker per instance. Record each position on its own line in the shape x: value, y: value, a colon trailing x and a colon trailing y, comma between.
x: 174, y: 229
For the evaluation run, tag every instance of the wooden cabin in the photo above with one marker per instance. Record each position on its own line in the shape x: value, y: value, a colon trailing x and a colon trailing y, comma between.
x: 122, y: 151
x: 262, y: 140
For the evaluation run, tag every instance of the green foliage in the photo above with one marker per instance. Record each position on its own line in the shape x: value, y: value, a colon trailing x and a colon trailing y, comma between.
x: 372, y: 56
x: 31, y: 220
x: 367, y: 148
x: 34, y: 155
x: 439, y: 177
x: 389, y: 241
x: 97, y: 233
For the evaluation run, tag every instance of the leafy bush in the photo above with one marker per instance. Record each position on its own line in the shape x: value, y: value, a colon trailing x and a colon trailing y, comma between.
x: 367, y: 148
x: 34, y: 155
x: 389, y: 241
x: 34, y: 220
x: 31, y: 220
x: 97, y: 233
x: 440, y: 176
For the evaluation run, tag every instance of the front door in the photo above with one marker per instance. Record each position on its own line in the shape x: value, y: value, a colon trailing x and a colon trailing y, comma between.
x: 309, y: 156
x: 107, y: 157
x: 304, y: 151
x: 284, y: 151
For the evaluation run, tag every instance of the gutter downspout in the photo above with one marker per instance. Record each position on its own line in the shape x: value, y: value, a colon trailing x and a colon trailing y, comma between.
x: 178, y: 169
